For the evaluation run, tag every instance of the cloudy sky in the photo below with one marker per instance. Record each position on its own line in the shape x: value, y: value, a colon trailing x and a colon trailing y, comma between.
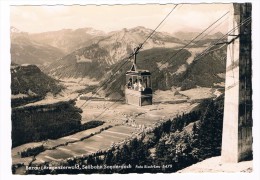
x: 189, y: 17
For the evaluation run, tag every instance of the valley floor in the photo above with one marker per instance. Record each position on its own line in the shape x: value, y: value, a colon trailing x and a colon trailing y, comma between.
x: 122, y: 122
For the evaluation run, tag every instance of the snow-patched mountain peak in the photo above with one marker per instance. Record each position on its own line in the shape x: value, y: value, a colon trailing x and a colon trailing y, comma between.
x: 141, y: 29
x: 88, y: 31
x: 94, y: 32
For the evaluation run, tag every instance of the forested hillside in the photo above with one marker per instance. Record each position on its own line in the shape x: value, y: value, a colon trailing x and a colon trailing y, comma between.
x: 169, y: 147
x: 30, y: 84
x: 166, y: 66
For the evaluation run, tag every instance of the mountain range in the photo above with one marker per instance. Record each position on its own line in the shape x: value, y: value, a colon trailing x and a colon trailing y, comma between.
x: 25, y: 50
x: 91, y: 53
x: 26, y: 47
x: 105, y: 51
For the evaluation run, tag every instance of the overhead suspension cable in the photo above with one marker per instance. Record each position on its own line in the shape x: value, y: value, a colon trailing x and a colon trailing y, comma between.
x: 242, y: 23
x: 191, y: 41
x: 131, y: 55
x: 206, y: 34
x: 160, y: 24
x: 215, y: 43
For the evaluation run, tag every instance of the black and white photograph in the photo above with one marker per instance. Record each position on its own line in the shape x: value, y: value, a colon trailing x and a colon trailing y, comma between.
x: 131, y: 88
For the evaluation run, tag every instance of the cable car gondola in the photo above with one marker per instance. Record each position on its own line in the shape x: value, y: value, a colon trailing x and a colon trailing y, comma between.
x: 138, y: 89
